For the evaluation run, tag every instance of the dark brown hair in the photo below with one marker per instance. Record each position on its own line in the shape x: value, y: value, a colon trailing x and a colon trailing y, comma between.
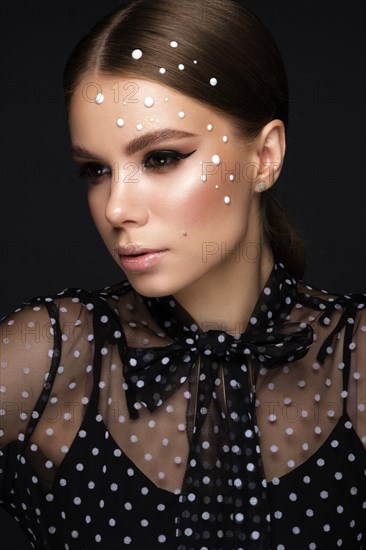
x: 216, y: 39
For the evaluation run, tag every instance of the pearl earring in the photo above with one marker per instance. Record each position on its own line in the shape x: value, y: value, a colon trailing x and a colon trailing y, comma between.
x: 262, y: 186
x: 227, y: 200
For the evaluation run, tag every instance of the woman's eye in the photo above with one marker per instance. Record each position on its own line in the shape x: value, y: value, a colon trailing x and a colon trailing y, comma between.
x: 93, y: 172
x: 158, y: 160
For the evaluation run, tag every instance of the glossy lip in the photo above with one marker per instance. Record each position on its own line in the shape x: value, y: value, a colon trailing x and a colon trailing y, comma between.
x: 135, y: 259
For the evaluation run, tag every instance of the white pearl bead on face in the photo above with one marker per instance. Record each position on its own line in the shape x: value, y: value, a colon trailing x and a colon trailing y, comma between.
x: 149, y: 101
x: 99, y: 99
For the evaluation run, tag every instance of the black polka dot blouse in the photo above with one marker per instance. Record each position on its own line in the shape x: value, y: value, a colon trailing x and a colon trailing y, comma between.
x: 124, y: 424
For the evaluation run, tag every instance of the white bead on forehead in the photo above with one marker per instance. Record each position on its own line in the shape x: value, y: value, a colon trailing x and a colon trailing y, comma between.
x: 149, y: 101
x: 99, y: 98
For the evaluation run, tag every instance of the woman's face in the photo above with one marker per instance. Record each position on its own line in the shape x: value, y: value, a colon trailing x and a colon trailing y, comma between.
x: 171, y: 184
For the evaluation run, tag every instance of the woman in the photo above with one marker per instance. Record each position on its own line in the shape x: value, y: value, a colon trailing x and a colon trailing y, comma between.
x: 212, y: 400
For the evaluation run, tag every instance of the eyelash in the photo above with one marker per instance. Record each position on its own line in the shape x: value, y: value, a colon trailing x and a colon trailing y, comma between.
x: 92, y: 172
x: 173, y: 156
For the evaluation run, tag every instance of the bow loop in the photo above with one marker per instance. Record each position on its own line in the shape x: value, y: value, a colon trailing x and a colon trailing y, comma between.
x: 154, y: 374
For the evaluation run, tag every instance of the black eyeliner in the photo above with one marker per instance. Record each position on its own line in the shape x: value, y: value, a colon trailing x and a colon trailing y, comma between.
x: 174, y: 156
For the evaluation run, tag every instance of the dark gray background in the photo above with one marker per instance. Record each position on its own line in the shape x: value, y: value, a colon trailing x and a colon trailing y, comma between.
x: 47, y: 240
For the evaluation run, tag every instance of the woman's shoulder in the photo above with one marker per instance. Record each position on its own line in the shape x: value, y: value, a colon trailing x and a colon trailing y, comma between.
x: 327, y: 296
x: 55, y: 321
x: 48, y: 338
x: 336, y: 311
x: 69, y: 304
x: 84, y: 296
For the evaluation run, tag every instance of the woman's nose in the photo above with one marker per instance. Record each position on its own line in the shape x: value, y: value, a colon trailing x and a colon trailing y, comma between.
x: 126, y: 203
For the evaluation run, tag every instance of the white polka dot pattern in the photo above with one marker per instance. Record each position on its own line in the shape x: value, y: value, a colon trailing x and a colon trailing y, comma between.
x: 125, y: 425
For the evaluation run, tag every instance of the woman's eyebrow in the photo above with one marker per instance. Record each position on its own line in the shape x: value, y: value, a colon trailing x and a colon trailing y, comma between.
x: 155, y: 137
x: 81, y: 152
x: 137, y: 144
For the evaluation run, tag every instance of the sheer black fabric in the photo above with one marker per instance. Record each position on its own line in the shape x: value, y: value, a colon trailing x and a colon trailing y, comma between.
x: 124, y: 424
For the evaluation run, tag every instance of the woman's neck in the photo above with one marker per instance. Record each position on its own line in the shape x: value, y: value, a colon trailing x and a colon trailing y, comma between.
x: 226, y: 300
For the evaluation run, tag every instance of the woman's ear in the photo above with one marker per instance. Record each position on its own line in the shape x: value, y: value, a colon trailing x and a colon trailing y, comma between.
x: 271, y: 147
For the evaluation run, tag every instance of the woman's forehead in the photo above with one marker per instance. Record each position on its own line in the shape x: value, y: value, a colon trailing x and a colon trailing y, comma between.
x: 126, y: 102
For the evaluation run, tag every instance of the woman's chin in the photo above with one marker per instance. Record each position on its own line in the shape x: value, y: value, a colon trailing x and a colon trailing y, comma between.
x: 151, y: 287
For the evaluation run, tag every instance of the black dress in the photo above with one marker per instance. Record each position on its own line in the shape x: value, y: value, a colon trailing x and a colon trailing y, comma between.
x: 138, y: 430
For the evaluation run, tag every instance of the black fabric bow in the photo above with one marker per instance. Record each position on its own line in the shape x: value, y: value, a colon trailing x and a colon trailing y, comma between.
x: 224, y: 485
x: 154, y: 374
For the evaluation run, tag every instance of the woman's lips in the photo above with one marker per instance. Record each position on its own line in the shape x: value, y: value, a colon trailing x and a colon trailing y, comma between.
x: 141, y: 260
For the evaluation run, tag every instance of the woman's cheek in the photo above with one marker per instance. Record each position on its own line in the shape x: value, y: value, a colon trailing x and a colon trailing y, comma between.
x: 197, y: 202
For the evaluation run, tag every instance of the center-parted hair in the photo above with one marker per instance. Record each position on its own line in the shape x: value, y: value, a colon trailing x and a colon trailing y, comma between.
x: 214, y: 51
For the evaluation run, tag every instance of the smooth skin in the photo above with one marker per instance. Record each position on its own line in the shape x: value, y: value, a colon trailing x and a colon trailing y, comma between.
x: 142, y: 193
